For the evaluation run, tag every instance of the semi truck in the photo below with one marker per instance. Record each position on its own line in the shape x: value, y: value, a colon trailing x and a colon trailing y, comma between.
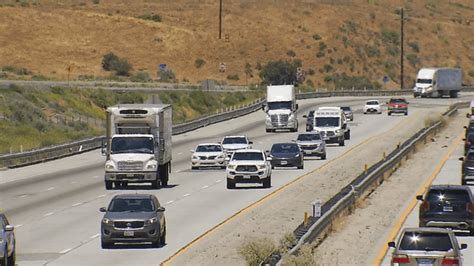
x: 138, y: 145
x: 438, y: 82
x: 281, y: 108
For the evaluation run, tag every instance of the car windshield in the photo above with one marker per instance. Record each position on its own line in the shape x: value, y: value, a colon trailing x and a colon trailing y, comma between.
x: 372, y: 103
x: 436, y: 195
x: 234, y: 140
x: 285, y: 148
x: 424, y: 81
x: 208, y: 148
x: 345, y: 108
x: 327, y: 121
x: 279, y: 105
x: 247, y: 156
x: 308, y: 137
x: 131, y: 205
x: 132, y: 145
x: 427, y: 241
x: 397, y: 101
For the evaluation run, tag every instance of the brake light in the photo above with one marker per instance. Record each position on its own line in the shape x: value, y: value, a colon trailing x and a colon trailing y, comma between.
x: 400, y: 259
x: 468, y: 142
x: 470, y: 207
x: 450, y: 261
x: 425, y: 206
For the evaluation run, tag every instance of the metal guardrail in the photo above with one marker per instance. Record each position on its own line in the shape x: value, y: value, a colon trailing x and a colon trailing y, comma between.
x: 54, y: 152
x: 345, y: 199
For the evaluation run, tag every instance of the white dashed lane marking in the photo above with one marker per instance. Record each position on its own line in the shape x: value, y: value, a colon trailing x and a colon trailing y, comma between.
x: 73, y: 182
x: 48, y: 214
x: 94, y: 236
x: 169, y: 202
x: 186, y: 195
x: 218, y: 181
x: 50, y: 188
x: 77, y: 204
x: 204, y: 187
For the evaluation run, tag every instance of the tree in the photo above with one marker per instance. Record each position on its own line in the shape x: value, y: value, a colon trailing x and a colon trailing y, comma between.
x: 278, y: 73
x: 121, y: 67
x: 108, y: 60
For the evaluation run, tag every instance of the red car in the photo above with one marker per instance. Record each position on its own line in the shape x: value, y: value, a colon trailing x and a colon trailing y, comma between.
x: 397, y: 105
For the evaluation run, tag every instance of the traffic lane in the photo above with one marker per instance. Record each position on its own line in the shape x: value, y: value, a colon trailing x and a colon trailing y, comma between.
x: 185, y: 211
x: 449, y: 174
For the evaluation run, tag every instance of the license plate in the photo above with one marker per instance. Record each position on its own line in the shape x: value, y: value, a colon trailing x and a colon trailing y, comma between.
x: 128, y: 233
x: 283, y: 162
x: 130, y: 175
x: 447, y: 209
x: 246, y: 176
x: 425, y: 262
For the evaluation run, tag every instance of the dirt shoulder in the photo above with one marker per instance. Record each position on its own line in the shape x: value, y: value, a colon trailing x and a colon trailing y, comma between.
x: 366, y: 228
x: 272, y: 219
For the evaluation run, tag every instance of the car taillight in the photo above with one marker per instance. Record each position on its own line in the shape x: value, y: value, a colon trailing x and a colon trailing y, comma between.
x: 470, y: 207
x: 468, y: 142
x: 450, y: 261
x: 425, y: 206
x: 400, y: 259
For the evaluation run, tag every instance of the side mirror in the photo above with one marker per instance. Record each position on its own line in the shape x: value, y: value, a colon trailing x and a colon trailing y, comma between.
x: 104, y: 148
x: 192, y: 151
x: 250, y: 142
x: 463, y: 246
x: 419, y: 197
x: 269, y: 159
x: 391, y: 244
x: 386, y: 102
x: 296, y: 106
x: 468, y: 115
x: 461, y: 159
x: 465, y: 127
x: 293, y: 140
x: 102, y: 209
x: 463, y: 139
x: 160, y: 209
x: 305, y: 116
x: 9, y: 228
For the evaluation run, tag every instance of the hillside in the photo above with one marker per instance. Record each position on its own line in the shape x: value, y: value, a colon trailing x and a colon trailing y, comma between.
x: 357, y: 38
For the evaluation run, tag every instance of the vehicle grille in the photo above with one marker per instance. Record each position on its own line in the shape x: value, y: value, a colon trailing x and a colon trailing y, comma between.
x: 279, y: 119
x: 207, y: 157
x: 129, y: 224
x: 246, y: 168
x: 309, y: 147
x: 130, y: 165
x: 469, y: 171
x: 330, y: 133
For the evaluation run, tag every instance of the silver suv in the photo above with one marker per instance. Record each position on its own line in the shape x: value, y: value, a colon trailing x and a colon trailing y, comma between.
x: 133, y: 218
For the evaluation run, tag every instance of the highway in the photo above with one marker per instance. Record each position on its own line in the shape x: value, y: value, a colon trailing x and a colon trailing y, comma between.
x: 55, y: 205
x: 450, y: 173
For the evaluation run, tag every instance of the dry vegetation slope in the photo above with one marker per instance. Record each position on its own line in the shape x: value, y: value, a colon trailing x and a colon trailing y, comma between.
x: 357, y: 37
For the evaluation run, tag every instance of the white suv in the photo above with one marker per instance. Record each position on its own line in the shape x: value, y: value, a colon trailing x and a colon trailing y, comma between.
x: 372, y: 106
x: 249, y: 166
x: 233, y: 143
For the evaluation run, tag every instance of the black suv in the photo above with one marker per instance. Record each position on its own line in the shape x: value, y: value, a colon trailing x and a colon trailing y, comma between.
x: 449, y: 206
x: 467, y: 172
x: 286, y: 155
x: 133, y: 218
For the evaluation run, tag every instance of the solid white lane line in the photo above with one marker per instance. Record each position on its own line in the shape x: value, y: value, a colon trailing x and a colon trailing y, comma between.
x: 77, y: 204
x: 204, y: 187
x: 185, y: 195
x: 169, y: 202
x: 65, y: 251
x: 48, y: 214
x: 94, y: 236
x: 18, y: 225
x: 180, y: 153
x: 101, y: 196
x: 23, y: 196
x: 73, y: 182
x: 50, y: 188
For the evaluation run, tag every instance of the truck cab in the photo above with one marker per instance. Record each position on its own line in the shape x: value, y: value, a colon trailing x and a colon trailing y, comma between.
x: 281, y: 108
x: 332, y: 124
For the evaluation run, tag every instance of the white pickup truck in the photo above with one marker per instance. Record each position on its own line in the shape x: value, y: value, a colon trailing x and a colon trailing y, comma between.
x: 249, y: 166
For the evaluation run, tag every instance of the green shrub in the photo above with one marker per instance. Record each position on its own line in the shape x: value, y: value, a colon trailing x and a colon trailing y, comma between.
x: 328, y: 68
x: 108, y: 60
x: 256, y: 251
x: 311, y: 72
x: 390, y: 37
x: 278, y: 73
x: 413, y: 59
x: 372, y: 51
x: 471, y: 73
x: 152, y: 17
x: 198, y: 63
x: 121, y: 67
x: 414, y: 46
x: 291, y: 53
x: 9, y: 68
x: 316, y: 37
x: 322, y: 46
x: 320, y: 54
x: 166, y: 75
x: 141, y: 76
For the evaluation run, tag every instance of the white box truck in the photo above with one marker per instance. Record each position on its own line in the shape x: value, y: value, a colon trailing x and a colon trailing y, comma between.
x: 281, y: 108
x: 138, y: 145
x: 332, y: 124
x: 438, y: 82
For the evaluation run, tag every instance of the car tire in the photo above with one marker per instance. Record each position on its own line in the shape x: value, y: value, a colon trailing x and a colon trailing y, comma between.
x: 230, y: 184
x: 12, y: 259
x: 155, y: 184
x: 471, y: 231
x: 463, y: 182
x: 117, y: 185
x: 108, y: 185
x: 268, y: 130
x: 389, y: 114
x: 347, y: 135
x: 163, y: 237
x: 105, y: 245
x: 124, y: 184
x: 267, y: 183
x: 323, y: 157
x: 406, y: 113
x: 164, y: 175
x: 194, y: 168
x: 301, y: 166
x: 341, y: 143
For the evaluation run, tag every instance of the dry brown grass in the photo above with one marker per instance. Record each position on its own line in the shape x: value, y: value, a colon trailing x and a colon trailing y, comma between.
x: 49, y: 36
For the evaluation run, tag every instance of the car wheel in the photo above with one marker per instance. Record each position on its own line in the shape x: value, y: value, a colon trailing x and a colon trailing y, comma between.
x: 12, y: 259
x: 105, y: 245
x: 301, y: 166
x: 347, y: 135
x: 124, y: 184
x: 389, y: 114
x: 406, y: 113
x: 230, y: 184
x: 268, y: 130
x: 341, y: 143
x: 471, y: 231
x: 323, y: 157
x: 194, y: 168
x: 163, y: 237
x: 267, y: 182
x: 155, y: 184
x: 108, y: 184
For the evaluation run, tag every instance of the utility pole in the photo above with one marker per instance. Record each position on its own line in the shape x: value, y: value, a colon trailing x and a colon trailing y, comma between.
x: 402, y: 19
x: 220, y: 19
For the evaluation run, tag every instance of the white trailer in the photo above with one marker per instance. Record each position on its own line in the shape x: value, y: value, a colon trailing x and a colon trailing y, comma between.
x: 281, y: 108
x: 438, y: 82
x: 138, y: 145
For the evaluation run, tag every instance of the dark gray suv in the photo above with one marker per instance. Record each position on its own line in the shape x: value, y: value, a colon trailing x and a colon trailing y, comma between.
x: 134, y: 218
x: 449, y: 206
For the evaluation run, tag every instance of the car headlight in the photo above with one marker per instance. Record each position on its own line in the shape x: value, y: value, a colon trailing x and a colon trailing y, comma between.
x: 151, y: 221
x: 261, y: 166
x: 222, y: 156
x: 195, y: 157
x: 297, y: 155
x: 106, y: 221
x: 152, y: 166
x: 231, y: 166
x: 109, y: 165
x: 338, y: 131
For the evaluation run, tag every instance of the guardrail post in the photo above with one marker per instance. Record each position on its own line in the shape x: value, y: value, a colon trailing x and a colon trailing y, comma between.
x: 366, y: 168
x: 384, y: 156
x: 306, y: 219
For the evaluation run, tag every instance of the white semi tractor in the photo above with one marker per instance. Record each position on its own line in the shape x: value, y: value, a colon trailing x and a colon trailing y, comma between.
x: 281, y: 108
x: 138, y: 145
x: 438, y: 82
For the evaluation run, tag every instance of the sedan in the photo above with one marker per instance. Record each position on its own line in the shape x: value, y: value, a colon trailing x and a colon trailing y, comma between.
x: 286, y: 155
x: 426, y: 246
x: 372, y: 106
x: 208, y: 155
x: 348, y: 112
x: 133, y: 218
x: 7, y: 242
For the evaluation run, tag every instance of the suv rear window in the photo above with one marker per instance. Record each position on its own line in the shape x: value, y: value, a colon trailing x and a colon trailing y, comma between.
x: 436, y: 195
x: 398, y: 101
x: 427, y: 241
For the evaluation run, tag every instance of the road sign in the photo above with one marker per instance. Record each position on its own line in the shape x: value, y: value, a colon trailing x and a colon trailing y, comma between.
x: 386, y: 79
x: 162, y: 67
x: 316, y: 208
